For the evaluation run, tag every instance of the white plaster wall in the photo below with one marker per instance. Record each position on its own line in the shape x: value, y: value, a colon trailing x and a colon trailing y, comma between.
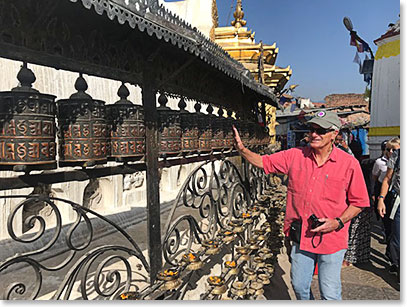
x: 196, y: 12
x: 386, y: 93
x: 61, y: 82
x: 385, y: 107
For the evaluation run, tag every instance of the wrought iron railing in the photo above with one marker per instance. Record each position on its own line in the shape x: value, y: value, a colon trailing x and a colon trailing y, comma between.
x: 213, y: 221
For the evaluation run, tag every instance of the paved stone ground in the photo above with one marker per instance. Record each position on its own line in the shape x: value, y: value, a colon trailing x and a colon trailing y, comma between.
x: 369, y: 281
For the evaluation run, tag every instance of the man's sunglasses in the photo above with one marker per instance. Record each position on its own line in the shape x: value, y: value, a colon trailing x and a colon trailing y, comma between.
x: 389, y: 149
x: 320, y: 131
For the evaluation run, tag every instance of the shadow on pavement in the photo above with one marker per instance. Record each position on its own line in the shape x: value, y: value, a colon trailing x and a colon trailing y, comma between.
x: 379, y: 264
x: 277, y: 289
x: 383, y: 273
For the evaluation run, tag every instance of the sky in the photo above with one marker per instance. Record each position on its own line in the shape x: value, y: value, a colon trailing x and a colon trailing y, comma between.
x: 312, y: 39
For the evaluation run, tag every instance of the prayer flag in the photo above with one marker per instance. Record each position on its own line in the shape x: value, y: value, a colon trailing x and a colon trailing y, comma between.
x: 365, y: 46
x: 359, y: 47
x: 357, y: 60
x: 353, y: 39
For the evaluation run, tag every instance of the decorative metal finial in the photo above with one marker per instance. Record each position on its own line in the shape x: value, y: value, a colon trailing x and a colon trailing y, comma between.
x: 182, y: 105
x: 197, y: 107
x: 220, y: 112
x: 123, y: 93
x: 81, y: 86
x: 209, y: 109
x: 162, y: 100
x: 26, y: 78
x: 238, y: 14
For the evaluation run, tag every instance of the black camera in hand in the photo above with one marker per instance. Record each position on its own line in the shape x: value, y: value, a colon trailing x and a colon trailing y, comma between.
x: 314, y: 221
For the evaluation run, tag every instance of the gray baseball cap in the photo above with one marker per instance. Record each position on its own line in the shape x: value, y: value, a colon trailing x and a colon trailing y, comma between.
x: 326, y: 120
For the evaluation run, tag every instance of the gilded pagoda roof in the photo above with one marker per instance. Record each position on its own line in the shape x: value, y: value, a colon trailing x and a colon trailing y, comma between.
x: 240, y: 43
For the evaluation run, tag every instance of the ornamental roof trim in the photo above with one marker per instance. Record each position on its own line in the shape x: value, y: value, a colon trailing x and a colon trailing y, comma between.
x: 156, y: 19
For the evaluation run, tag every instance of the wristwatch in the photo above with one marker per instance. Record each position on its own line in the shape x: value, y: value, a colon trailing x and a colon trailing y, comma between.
x: 380, y: 196
x: 341, y: 225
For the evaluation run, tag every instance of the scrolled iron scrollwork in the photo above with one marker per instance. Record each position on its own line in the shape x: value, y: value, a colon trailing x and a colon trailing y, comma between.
x: 218, y: 194
x: 237, y: 227
x: 258, y: 181
x: 173, y: 244
x: 239, y: 197
x: 97, y: 269
x: 103, y: 284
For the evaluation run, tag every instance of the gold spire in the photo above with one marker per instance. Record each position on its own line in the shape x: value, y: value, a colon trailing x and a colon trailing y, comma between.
x: 261, y: 64
x: 238, y: 14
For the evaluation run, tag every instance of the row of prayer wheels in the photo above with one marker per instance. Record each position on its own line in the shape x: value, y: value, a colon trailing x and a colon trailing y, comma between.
x: 91, y: 132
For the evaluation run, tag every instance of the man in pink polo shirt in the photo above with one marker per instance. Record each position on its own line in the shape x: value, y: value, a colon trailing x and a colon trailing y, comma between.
x: 326, y: 183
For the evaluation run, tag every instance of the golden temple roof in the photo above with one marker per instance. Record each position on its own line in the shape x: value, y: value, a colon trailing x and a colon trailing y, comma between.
x: 239, y: 42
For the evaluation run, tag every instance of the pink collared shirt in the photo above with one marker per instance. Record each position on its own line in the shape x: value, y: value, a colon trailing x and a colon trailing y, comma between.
x: 325, y: 191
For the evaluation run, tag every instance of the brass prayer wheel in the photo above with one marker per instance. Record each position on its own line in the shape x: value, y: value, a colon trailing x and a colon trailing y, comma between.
x: 259, y: 135
x: 169, y: 129
x: 228, y: 131
x: 251, y: 128
x: 83, y: 133
x: 242, y: 126
x: 217, y: 142
x: 205, y: 130
x: 189, y: 128
x: 266, y: 137
x: 27, y: 134
x: 127, y: 130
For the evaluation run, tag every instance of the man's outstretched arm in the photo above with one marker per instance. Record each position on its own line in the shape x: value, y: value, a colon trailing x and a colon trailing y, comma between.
x: 251, y: 157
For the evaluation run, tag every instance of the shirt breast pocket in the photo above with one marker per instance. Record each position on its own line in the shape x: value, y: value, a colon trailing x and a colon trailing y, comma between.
x: 334, y: 189
x: 296, y: 182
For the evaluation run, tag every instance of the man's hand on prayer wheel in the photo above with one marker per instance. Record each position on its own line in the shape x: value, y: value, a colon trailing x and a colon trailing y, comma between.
x: 238, y: 142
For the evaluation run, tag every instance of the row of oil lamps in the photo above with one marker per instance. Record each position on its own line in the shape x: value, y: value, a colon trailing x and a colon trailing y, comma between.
x: 252, y: 265
x: 257, y: 257
x: 91, y: 132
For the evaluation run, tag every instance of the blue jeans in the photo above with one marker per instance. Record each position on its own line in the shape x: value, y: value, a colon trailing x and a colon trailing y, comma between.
x: 329, y: 273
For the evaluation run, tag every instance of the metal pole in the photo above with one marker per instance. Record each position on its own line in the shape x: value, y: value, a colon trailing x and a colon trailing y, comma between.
x: 152, y: 175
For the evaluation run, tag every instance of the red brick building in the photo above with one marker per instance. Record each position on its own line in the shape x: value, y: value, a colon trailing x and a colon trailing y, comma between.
x: 335, y: 100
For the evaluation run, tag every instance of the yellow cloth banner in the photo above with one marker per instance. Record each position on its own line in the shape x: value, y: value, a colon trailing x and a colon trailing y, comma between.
x: 384, y: 131
x: 388, y: 50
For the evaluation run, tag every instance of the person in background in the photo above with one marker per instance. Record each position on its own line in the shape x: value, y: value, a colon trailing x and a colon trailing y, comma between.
x: 360, y: 228
x: 341, y: 144
x: 326, y: 189
x: 389, y: 204
x: 378, y: 172
x: 355, y: 144
x: 359, y: 239
x: 305, y: 140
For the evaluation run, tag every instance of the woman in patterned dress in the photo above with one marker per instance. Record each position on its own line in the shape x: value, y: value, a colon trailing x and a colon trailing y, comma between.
x: 359, y: 239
